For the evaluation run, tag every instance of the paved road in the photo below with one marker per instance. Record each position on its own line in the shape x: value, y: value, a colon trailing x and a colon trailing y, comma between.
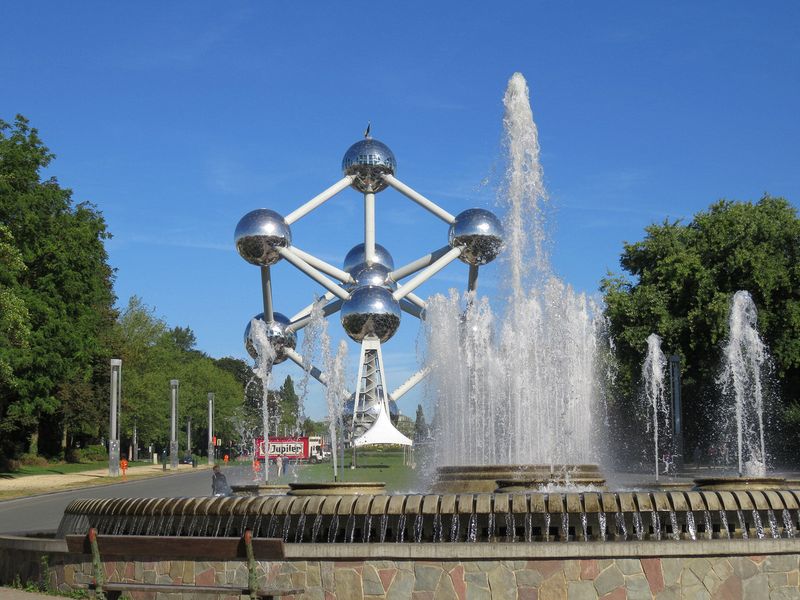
x: 43, y: 513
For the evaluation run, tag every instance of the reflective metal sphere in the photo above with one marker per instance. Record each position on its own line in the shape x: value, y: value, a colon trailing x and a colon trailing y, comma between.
x: 277, y: 335
x: 356, y: 259
x: 368, y: 159
x: 259, y: 233
x: 480, y: 233
x: 371, y: 310
x: 374, y: 275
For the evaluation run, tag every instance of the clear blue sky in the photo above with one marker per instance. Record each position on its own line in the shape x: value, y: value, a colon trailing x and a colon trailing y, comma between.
x: 176, y: 118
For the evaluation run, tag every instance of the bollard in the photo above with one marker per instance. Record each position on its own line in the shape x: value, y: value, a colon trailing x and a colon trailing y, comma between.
x: 194, y: 462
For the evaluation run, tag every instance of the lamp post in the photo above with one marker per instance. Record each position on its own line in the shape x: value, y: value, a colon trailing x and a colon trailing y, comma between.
x: 675, y: 377
x: 173, y: 426
x: 211, y: 428
x: 113, y: 430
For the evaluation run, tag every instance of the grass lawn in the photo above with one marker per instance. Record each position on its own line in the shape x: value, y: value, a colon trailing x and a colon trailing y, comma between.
x: 56, y: 469
x: 373, y: 465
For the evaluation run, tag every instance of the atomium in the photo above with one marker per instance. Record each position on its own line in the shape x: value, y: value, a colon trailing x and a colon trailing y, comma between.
x: 373, y: 275
x: 480, y: 235
x: 279, y: 338
x: 259, y: 233
x: 371, y: 310
x: 356, y: 259
x: 367, y: 161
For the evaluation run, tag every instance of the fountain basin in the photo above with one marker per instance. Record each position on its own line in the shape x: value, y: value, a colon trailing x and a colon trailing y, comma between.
x: 338, y: 488
x: 740, y: 483
x: 514, y: 478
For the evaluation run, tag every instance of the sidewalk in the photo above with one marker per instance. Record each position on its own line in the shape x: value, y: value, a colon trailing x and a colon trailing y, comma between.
x: 38, y: 484
x: 12, y: 594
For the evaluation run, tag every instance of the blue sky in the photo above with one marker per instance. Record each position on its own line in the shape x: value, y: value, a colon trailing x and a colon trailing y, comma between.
x: 177, y: 118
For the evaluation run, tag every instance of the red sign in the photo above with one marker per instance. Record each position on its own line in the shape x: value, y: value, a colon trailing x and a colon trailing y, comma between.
x: 283, y: 446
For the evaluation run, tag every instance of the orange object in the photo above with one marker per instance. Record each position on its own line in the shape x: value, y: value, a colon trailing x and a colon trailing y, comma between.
x: 123, y: 464
x: 225, y: 458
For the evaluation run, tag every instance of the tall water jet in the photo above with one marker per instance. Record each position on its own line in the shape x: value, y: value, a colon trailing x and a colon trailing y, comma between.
x: 654, y: 396
x: 335, y: 393
x: 517, y: 386
x: 745, y: 358
x: 259, y: 336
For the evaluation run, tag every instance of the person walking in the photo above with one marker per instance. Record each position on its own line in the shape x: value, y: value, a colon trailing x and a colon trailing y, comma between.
x: 219, y: 483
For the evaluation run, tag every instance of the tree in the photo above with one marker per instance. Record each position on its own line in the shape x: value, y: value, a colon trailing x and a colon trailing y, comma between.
x: 680, y: 282
x: 14, y: 317
x: 420, y: 426
x: 67, y: 288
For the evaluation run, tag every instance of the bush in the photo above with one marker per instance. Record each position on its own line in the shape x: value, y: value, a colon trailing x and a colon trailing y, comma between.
x: 9, y: 465
x: 91, y: 454
x: 33, y: 460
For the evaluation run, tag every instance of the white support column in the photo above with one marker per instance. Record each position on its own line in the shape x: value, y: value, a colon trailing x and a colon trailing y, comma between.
x: 295, y: 357
x: 327, y: 310
x: 327, y: 297
x: 369, y: 227
x: 414, y: 299
x: 419, y: 264
x: 266, y: 294
x: 319, y: 199
x: 321, y: 265
x: 298, y: 262
x: 411, y: 309
x: 427, y: 273
x: 472, y: 282
x: 409, y: 383
x: 428, y: 205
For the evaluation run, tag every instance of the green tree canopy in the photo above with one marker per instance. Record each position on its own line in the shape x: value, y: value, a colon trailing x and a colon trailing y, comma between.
x: 66, y: 286
x: 679, y: 284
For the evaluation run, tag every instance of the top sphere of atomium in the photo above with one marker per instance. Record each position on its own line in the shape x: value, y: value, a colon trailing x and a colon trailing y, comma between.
x: 480, y: 234
x: 259, y: 233
x: 356, y: 259
x: 277, y: 335
x: 368, y: 160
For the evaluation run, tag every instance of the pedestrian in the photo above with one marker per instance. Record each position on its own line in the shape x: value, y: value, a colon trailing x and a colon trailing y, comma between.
x: 219, y: 483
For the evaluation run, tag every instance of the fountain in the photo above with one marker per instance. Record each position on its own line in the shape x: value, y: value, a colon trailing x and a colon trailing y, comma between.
x: 520, y: 506
x: 654, y: 397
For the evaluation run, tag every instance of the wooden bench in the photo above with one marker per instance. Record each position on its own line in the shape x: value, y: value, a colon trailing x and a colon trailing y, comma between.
x: 155, y: 548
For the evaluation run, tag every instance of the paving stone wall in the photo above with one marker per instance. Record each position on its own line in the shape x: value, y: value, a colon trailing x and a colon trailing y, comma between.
x: 774, y: 577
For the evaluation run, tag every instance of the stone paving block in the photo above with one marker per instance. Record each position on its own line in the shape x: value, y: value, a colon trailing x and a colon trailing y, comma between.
x: 401, y: 587
x: 777, y: 580
x: 446, y: 591
x: 527, y: 593
x: 637, y: 587
x: 427, y: 577
x: 581, y: 590
x: 743, y: 567
x: 528, y: 577
x: 590, y: 568
x: 313, y: 576
x: 629, y: 566
x: 477, y: 579
x: 348, y: 584
x: 671, y: 568
x: 477, y: 593
x: 502, y: 582
x: 785, y: 593
x: 780, y: 563
x: 756, y: 586
x: 554, y: 587
x: 608, y: 579
x: 371, y: 581
x: 572, y: 570
x: 387, y: 576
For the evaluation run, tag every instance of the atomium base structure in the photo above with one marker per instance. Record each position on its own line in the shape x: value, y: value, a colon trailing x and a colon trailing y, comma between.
x: 368, y: 291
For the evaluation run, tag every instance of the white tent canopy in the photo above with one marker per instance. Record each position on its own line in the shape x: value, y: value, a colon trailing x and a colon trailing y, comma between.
x: 382, y: 432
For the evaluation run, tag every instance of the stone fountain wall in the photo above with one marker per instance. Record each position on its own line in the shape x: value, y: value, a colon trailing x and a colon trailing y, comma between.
x: 486, y: 572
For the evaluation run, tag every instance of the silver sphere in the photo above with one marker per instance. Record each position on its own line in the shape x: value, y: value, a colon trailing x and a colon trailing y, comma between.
x: 367, y: 160
x: 258, y: 235
x: 277, y: 335
x: 356, y: 259
x: 373, y: 275
x: 480, y: 233
x: 370, y: 310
